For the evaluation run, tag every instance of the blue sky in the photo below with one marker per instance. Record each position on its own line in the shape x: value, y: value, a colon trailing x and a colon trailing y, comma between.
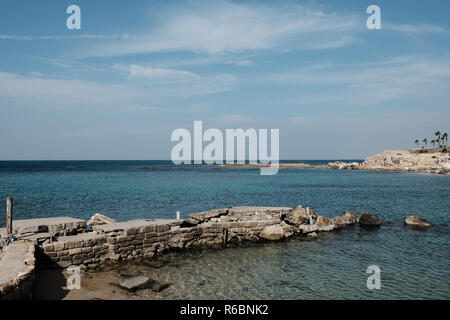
x: 137, y: 70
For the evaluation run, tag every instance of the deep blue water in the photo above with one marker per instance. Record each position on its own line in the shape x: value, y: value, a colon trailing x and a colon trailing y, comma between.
x: 414, y: 264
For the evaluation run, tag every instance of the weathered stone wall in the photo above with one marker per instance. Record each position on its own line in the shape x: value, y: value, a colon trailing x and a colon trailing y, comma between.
x: 149, y: 238
x: 123, y: 241
x: 17, y: 271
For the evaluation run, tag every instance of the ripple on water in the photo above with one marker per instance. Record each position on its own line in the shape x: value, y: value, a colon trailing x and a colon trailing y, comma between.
x: 333, y: 267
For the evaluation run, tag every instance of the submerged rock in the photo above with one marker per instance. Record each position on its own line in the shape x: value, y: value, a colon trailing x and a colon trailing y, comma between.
x: 416, y: 221
x: 133, y: 283
x: 99, y: 219
x: 368, y: 220
x: 274, y: 232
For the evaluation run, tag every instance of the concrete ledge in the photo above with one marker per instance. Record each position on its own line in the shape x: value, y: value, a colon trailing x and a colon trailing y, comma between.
x: 17, y: 271
x: 56, y: 226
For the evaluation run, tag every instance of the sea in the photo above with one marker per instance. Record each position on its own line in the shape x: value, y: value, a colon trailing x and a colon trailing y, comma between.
x: 413, y: 264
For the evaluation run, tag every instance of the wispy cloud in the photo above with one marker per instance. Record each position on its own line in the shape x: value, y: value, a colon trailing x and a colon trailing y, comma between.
x: 370, y: 83
x: 243, y: 63
x: 220, y: 27
x: 137, y: 71
x: 143, y: 84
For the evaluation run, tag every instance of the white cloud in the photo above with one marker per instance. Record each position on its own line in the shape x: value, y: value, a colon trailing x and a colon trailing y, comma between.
x: 161, y: 73
x: 220, y: 27
x: 183, y: 83
x: 148, y: 84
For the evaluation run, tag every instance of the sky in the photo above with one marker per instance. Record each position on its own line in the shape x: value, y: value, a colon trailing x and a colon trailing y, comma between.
x: 137, y: 70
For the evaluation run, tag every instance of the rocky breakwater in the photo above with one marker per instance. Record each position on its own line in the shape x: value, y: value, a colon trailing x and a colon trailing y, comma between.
x: 147, y: 238
x: 400, y: 160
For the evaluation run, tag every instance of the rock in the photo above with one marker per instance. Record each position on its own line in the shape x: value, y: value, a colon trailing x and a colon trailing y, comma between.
x: 348, y: 218
x: 307, y: 228
x: 99, y: 219
x: 312, y: 235
x: 416, y: 221
x: 324, y: 221
x: 299, y: 216
x: 158, y: 286
x: 273, y: 232
x: 368, y: 220
x: 133, y: 283
x: 288, y: 230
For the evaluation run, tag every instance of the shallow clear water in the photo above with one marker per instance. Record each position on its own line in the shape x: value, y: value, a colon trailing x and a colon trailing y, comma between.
x: 414, y: 264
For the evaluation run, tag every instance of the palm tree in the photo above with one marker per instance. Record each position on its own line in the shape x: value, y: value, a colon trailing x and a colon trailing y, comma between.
x: 417, y: 142
x: 445, y: 136
x: 433, y: 142
x: 438, y: 135
x: 425, y: 141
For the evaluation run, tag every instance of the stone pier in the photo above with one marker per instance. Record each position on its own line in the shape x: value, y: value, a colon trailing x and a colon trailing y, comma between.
x: 66, y: 241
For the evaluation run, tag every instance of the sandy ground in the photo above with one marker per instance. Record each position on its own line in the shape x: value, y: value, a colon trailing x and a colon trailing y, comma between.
x: 51, y: 284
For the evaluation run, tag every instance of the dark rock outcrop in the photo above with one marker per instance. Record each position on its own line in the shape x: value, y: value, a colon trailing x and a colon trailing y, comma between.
x: 368, y: 220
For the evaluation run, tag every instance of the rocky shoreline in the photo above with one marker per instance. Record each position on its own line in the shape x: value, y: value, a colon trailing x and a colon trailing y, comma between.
x: 399, y: 160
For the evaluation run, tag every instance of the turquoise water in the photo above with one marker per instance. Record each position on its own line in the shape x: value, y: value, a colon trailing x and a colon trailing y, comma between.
x: 414, y: 264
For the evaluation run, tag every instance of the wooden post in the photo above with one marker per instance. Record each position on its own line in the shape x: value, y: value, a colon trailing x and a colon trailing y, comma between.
x: 9, y: 215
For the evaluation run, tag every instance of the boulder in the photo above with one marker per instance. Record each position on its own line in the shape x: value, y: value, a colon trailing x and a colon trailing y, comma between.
x: 307, y: 228
x: 348, y: 218
x: 99, y: 219
x: 273, y: 232
x: 312, y: 235
x: 299, y: 216
x: 368, y: 220
x: 416, y: 221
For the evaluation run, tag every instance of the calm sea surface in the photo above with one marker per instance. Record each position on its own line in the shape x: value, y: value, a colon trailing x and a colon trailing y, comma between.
x: 414, y: 263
